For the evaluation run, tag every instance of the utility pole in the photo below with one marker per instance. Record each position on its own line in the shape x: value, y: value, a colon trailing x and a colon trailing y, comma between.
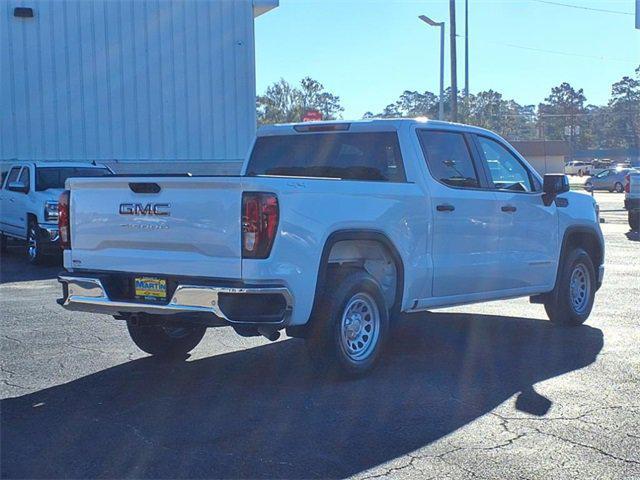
x: 466, y: 51
x: 454, y: 64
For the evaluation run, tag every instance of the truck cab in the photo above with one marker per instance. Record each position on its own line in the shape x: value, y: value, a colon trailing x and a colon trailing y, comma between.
x: 29, y: 201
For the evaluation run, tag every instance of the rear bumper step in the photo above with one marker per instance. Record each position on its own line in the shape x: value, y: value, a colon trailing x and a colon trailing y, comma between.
x: 236, y: 305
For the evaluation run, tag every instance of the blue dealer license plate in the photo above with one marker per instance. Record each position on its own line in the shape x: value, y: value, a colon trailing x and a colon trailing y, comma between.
x: 151, y: 288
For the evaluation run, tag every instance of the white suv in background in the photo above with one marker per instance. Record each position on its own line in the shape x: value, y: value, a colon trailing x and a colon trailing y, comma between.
x: 29, y: 202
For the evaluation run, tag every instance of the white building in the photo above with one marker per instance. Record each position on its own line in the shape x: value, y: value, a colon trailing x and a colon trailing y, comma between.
x: 165, y: 81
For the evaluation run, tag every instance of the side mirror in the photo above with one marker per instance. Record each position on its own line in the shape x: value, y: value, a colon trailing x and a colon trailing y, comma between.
x: 554, y: 184
x: 18, y: 187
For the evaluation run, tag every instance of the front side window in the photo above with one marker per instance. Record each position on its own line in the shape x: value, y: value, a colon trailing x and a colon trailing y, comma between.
x: 54, y: 177
x: 13, y: 176
x: 603, y: 174
x: 448, y: 158
x: 506, y: 171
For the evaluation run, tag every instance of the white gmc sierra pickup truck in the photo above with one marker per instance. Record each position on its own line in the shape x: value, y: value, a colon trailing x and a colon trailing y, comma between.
x: 330, y: 231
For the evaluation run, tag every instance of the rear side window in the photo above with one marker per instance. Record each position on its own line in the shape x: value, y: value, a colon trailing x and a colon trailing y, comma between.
x: 349, y: 156
x: 448, y: 158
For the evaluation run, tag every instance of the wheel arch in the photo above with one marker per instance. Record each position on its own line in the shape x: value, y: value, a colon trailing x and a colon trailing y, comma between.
x: 584, y: 237
x: 361, y: 235
x: 347, y: 235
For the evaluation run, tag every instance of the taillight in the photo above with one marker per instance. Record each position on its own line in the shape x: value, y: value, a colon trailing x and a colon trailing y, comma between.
x: 627, y: 183
x: 260, y: 215
x: 64, y: 225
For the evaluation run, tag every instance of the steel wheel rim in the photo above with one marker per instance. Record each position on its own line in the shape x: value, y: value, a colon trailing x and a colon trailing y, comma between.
x: 360, y: 327
x: 579, y: 288
x: 32, y: 244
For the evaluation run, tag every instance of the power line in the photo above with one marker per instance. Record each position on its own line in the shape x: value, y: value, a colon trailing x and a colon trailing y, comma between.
x: 604, y: 10
x: 557, y: 52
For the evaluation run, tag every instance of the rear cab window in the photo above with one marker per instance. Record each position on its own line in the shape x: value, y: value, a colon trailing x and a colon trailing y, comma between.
x: 371, y: 156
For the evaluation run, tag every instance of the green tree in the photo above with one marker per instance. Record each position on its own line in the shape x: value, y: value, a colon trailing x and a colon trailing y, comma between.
x: 283, y: 103
x: 624, y: 111
x: 561, y: 115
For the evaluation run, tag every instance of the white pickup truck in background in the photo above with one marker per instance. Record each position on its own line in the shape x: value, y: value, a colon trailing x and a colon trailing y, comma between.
x: 29, y: 202
x: 330, y: 230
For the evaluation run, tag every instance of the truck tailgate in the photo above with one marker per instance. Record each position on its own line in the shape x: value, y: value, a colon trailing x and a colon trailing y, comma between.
x: 188, y: 226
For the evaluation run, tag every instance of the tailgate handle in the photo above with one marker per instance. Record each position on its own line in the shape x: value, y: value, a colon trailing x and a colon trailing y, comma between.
x: 144, y: 187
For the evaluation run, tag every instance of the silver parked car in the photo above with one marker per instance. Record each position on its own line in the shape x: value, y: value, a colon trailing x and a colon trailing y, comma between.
x: 611, y: 179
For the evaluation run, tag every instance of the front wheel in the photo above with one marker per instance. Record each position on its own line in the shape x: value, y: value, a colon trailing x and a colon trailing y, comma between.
x: 34, y: 247
x: 571, y: 300
x: 165, y: 340
x: 348, y: 332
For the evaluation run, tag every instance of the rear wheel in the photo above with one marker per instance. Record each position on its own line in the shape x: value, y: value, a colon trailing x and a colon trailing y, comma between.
x: 348, y: 332
x: 618, y: 188
x: 571, y: 300
x: 634, y: 219
x: 580, y: 173
x: 165, y: 340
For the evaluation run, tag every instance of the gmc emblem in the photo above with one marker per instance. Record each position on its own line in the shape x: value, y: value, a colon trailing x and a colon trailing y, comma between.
x: 160, y: 209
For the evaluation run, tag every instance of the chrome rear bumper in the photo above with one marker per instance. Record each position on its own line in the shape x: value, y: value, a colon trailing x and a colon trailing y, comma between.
x: 86, y: 294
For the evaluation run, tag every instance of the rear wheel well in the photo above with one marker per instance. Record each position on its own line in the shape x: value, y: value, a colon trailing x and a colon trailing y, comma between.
x: 370, y: 251
x: 370, y: 256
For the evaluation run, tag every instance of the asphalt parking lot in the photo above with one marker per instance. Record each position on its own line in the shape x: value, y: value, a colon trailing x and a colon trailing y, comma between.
x: 482, y: 391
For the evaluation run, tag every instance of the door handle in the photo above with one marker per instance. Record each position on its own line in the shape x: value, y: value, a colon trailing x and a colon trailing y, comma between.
x: 445, y: 207
x: 508, y: 208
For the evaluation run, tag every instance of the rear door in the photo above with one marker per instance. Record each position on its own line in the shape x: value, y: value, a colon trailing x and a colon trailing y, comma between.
x: 187, y: 226
x: 529, y: 229
x: 465, y: 246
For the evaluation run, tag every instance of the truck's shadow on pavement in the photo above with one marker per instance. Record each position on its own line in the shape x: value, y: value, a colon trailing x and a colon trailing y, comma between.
x: 14, y: 267
x: 260, y: 413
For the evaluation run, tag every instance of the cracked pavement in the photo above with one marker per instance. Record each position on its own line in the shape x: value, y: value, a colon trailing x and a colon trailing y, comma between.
x: 484, y: 391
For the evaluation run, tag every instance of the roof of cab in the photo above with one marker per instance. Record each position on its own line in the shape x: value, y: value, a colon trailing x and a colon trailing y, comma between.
x: 369, y: 124
x: 54, y: 164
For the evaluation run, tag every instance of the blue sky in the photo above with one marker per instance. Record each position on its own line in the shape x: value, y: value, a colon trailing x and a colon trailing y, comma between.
x: 369, y: 51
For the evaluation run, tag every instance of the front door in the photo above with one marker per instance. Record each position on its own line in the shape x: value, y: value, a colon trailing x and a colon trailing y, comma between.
x: 529, y: 229
x: 10, y: 213
x: 466, y: 223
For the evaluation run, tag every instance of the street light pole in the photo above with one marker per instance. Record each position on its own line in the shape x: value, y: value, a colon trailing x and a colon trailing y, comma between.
x: 454, y: 64
x: 466, y: 51
x: 428, y: 21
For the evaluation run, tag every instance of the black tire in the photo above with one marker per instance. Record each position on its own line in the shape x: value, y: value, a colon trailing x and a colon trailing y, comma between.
x: 634, y: 219
x: 166, y: 341
x: 580, y: 173
x: 34, y: 251
x: 566, y: 306
x: 618, y: 188
x: 335, y: 338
